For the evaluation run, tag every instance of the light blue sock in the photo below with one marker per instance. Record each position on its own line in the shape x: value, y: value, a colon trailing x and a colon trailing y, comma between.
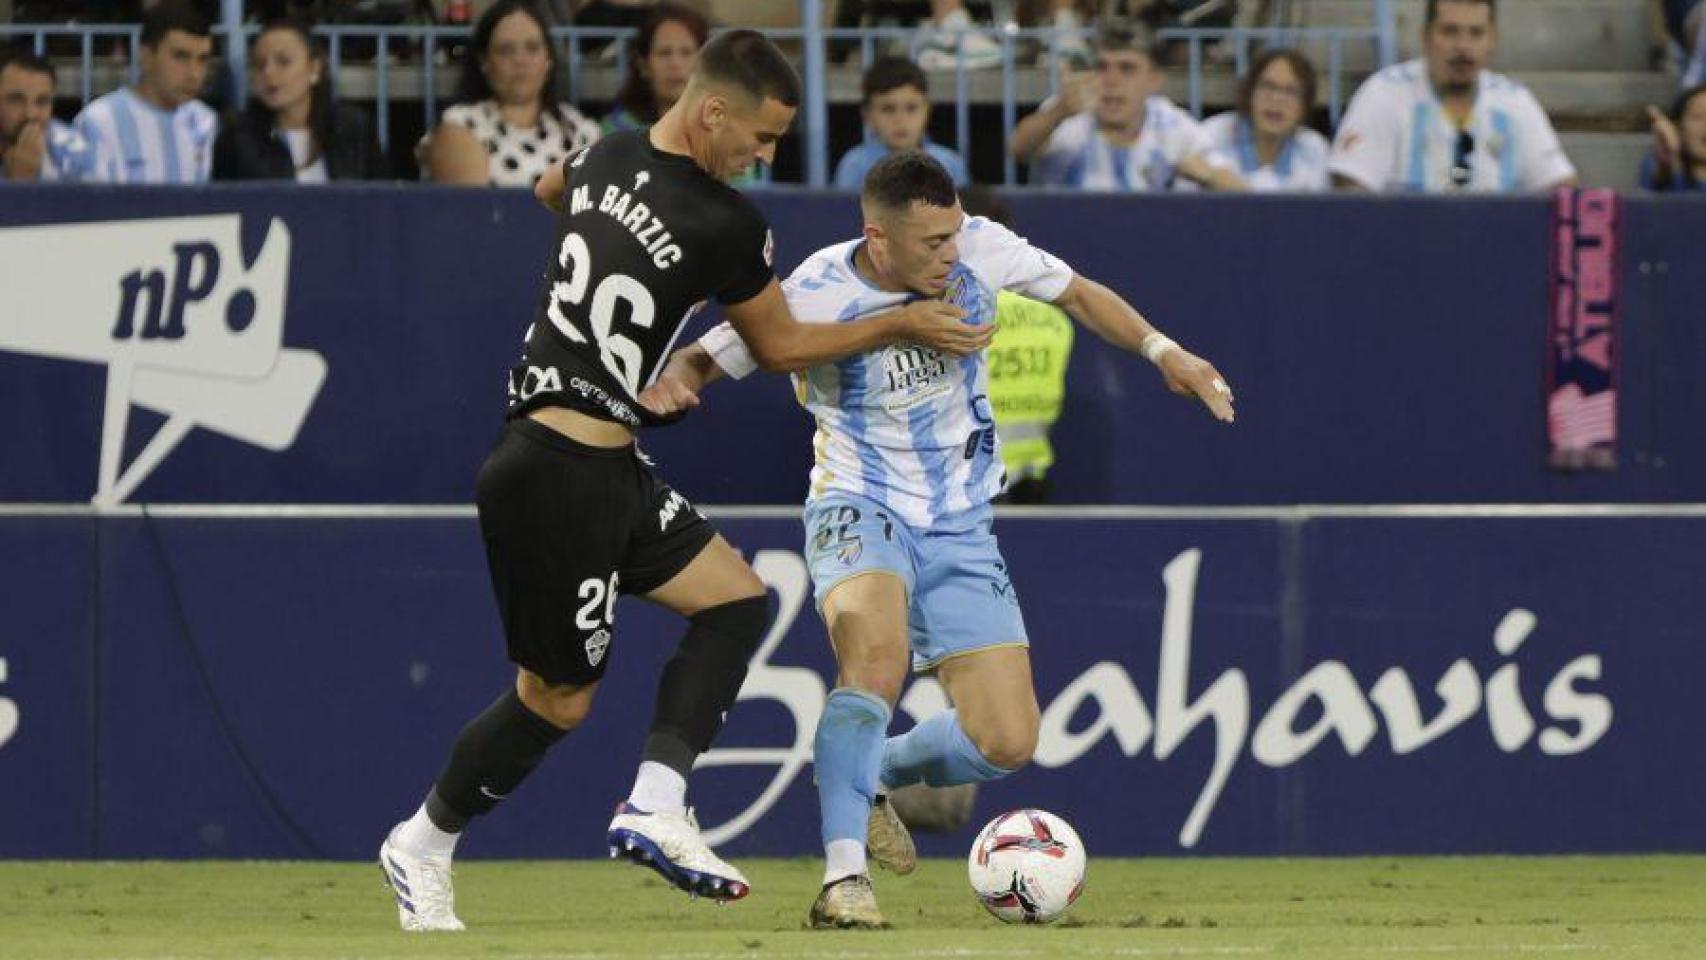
x: 938, y: 752
x: 848, y: 749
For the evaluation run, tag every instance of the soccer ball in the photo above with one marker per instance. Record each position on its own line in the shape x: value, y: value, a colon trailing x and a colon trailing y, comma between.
x: 1027, y: 866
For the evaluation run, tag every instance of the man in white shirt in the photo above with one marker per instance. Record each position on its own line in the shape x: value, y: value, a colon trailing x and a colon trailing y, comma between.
x: 157, y: 131
x: 1111, y: 129
x: 1445, y: 122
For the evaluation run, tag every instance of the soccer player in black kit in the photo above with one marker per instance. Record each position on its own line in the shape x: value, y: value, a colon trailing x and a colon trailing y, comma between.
x: 648, y: 232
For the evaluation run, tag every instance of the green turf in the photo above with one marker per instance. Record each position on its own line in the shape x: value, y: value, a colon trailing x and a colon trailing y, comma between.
x: 1624, y: 907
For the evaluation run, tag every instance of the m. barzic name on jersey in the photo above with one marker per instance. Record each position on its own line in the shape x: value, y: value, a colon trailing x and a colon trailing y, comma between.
x: 636, y: 216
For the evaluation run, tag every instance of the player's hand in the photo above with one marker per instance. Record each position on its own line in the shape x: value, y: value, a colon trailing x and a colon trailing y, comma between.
x: 668, y: 396
x: 1667, y: 140
x: 942, y: 326
x: 24, y: 159
x: 1189, y: 375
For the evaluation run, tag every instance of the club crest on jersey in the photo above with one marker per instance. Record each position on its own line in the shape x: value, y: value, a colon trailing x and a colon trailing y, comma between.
x: 595, y: 647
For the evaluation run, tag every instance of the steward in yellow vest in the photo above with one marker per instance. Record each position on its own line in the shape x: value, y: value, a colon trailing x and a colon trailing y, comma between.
x: 1027, y: 384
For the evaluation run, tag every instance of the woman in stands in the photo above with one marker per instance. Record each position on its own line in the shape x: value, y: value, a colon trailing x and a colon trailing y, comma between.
x: 509, y: 126
x: 291, y: 128
x: 1678, y: 160
x: 1266, y: 139
x: 658, y: 67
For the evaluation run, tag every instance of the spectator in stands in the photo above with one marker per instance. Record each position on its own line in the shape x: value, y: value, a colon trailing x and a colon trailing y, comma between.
x: 658, y: 67
x: 157, y: 131
x: 1266, y: 139
x: 1027, y: 373
x: 896, y: 109
x: 950, y: 38
x: 1685, y: 21
x: 1445, y: 122
x: 34, y: 147
x: 1111, y: 129
x: 509, y: 126
x: 1678, y: 160
x: 292, y: 129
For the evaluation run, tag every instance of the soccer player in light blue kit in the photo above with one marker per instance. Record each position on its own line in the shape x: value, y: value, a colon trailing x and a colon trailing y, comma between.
x: 898, y: 518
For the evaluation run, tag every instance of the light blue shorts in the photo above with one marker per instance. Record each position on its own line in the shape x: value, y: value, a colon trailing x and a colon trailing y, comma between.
x: 960, y: 598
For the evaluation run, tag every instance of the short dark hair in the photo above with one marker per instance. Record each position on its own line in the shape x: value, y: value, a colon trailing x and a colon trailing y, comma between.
x: 169, y: 15
x: 474, y: 87
x: 1677, y: 109
x: 1300, y: 65
x: 747, y: 61
x: 1118, y: 35
x: 1433, y: 10
x: 892, y: 73
x: 909, y: 175
x: 636, y: 94
x: 25, y: 59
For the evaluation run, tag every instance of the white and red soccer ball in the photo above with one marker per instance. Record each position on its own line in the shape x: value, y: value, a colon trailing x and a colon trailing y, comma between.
x: 1027, y: 866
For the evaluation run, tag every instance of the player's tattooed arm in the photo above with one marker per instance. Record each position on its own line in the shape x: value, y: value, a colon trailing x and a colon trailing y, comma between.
x: 1108, y: 315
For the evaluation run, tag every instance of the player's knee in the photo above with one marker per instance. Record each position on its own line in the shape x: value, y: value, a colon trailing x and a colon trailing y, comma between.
x: 563, y: 705
x: 875, y: 669
x: 1009, y: 746
x: 733, y: 629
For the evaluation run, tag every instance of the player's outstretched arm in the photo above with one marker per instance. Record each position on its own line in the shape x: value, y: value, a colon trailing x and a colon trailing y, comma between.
x: 1111, y: 318
x: 781, y: 344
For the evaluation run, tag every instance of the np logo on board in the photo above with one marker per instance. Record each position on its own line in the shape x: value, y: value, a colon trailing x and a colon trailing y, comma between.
x: 184, y: 327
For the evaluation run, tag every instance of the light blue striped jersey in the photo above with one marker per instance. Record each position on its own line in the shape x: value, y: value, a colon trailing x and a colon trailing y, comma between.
x: 905, y: 426
x: 1300, y: 167
x: 137, y: 142
x: 1078, y: 155
x: 69, y: 156
x: 1396, y: 136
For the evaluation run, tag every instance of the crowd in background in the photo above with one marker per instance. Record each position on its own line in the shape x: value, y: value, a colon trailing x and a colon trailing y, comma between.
x: 1443, y: 122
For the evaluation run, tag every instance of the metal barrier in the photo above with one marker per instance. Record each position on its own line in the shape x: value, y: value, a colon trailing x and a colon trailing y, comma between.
x: 1009, y: 85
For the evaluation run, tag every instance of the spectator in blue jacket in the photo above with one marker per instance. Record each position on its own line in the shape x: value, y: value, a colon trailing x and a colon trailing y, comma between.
x: 896, y: 108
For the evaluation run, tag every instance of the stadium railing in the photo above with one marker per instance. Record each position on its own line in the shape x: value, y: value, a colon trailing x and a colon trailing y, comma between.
x: 431, y: 78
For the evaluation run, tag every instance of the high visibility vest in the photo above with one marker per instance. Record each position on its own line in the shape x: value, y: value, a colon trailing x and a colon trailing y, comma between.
x: 1027, y: 380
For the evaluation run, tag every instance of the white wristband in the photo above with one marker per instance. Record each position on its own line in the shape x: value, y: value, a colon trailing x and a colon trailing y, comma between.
x: 1155, y: 346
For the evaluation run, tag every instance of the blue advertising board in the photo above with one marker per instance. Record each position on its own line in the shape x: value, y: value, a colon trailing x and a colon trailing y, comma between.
x: 194, y: 682
x: 349, y: 345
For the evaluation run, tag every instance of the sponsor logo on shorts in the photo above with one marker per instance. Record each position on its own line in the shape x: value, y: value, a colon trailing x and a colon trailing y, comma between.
x: 595, y: 647
x: 672, y: 508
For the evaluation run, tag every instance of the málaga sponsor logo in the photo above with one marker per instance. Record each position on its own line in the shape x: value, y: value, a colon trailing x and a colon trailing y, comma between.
x: 183, y: 325
x: 1576, y: 718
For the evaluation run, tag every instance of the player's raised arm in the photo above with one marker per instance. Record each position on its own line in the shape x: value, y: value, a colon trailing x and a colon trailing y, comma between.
x: 1111, y: 318
x: 779, y: 343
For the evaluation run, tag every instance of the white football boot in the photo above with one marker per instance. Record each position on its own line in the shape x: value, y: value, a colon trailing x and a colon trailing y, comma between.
x: 425, y: 899
x: 670, y: 844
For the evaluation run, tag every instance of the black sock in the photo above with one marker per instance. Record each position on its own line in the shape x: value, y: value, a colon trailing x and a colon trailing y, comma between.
x: 701, y: 681
x: 493, y: 754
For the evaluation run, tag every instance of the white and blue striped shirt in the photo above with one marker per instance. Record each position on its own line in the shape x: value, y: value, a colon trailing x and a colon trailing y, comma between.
x: 137, y: 142
x: 1077, y: 155
x: 905, y: 426
x: 1301, y: 166
x: 1396, y: 136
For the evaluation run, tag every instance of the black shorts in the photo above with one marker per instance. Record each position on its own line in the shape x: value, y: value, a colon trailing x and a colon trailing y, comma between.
x: 567, y: 527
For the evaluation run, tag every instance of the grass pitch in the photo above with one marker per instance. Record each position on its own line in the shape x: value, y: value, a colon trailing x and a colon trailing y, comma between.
x: 1623, y: 907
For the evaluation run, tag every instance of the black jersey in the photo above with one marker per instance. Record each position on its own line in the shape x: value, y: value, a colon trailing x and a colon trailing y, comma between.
x: 645, y: 239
